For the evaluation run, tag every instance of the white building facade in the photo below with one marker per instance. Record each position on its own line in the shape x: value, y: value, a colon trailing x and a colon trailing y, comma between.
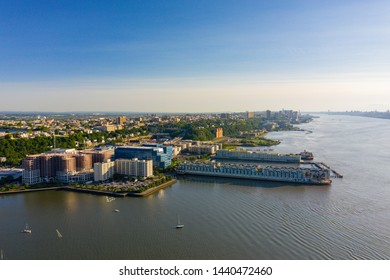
x: 104, y: 170
x: 134, y: 167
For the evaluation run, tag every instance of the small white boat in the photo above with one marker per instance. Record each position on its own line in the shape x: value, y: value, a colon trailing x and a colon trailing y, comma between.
x: 179, y: 224
x: 116, y: 210
x: 27, y: 229
x: 58, y: 233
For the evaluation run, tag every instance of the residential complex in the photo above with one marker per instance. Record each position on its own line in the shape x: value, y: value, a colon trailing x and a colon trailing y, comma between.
x: 134, y: 167
x: 219, y: 132
x: 103, y: 170
x: 251, y: 156
x: 62, y: 165
x: 204, y: 148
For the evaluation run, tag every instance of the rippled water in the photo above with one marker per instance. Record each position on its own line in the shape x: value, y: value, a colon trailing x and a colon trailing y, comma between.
x: 226, y: 218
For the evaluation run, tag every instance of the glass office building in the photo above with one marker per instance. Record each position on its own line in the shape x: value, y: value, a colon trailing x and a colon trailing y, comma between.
x: 161, y: 156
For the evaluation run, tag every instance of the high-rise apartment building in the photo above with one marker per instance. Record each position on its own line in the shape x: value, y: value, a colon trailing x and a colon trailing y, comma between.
x: 100, y: 155
x: 31, y: 170
x: 62, y: 165
x: 219, y: 132
x: 250, y: 115
x: 268, y: 114
x: 83, y: 161
x: 121, y: 120
x: 103, y: 170
x: 134, y: 167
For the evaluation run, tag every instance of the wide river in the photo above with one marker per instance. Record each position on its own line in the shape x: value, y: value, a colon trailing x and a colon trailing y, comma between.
x: 226, y: 218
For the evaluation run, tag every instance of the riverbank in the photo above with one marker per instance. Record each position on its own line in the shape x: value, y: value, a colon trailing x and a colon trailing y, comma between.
x: 152, y: 190
x: 97, y: 192
x: 31, y: 190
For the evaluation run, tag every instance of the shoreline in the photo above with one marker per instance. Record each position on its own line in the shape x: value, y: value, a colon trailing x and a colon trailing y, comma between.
x: 97, y: 192
x: 152, y: 190
x: 32, y: 190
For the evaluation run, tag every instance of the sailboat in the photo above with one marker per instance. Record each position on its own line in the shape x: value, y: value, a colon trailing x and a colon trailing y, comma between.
x: 179, y: 225
x: 27, y: 229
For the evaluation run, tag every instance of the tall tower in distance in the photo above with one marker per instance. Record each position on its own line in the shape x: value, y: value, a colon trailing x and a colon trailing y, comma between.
x: 121, y: 120
x: 250, y: 115
x: 219, y: 132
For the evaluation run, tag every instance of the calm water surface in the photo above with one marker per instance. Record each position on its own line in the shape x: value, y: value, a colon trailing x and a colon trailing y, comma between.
x: 226, y: 218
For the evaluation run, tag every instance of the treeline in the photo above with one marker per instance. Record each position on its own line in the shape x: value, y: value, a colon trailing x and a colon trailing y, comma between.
x: 154, y: 184
x: 17, y: 149
x: 205, y: 130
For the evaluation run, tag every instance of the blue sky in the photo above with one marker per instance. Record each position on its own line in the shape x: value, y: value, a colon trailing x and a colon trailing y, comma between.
x: 193, y: 56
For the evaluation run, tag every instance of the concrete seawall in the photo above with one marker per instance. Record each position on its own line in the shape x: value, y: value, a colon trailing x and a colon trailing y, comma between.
x: 94, y: 191
x: 97, y: 192
x: 152, y: 190
x: 32, y: 190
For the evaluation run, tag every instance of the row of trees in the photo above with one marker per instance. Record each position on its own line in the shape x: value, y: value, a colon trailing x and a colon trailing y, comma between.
x: 17, y: 149
x: 156, y: 183
x: 204, y: 130
x: 13, y: 187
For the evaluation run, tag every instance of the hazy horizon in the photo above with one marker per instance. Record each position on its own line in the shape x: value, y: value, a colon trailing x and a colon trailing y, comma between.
x: 172, y: 113
x: 194, y: 56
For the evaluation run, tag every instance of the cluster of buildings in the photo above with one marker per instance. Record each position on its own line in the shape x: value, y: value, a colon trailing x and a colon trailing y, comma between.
x: 193, y: 147
x: 63, y: 165
x: 70, y: 165
x: 290, y: 115
x: 160, y: 155
x: 254, y: 133
x: 130, y: 167
x: 244, y: 155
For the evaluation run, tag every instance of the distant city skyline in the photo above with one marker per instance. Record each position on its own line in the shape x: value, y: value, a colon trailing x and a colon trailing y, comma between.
x: 194, y: 56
